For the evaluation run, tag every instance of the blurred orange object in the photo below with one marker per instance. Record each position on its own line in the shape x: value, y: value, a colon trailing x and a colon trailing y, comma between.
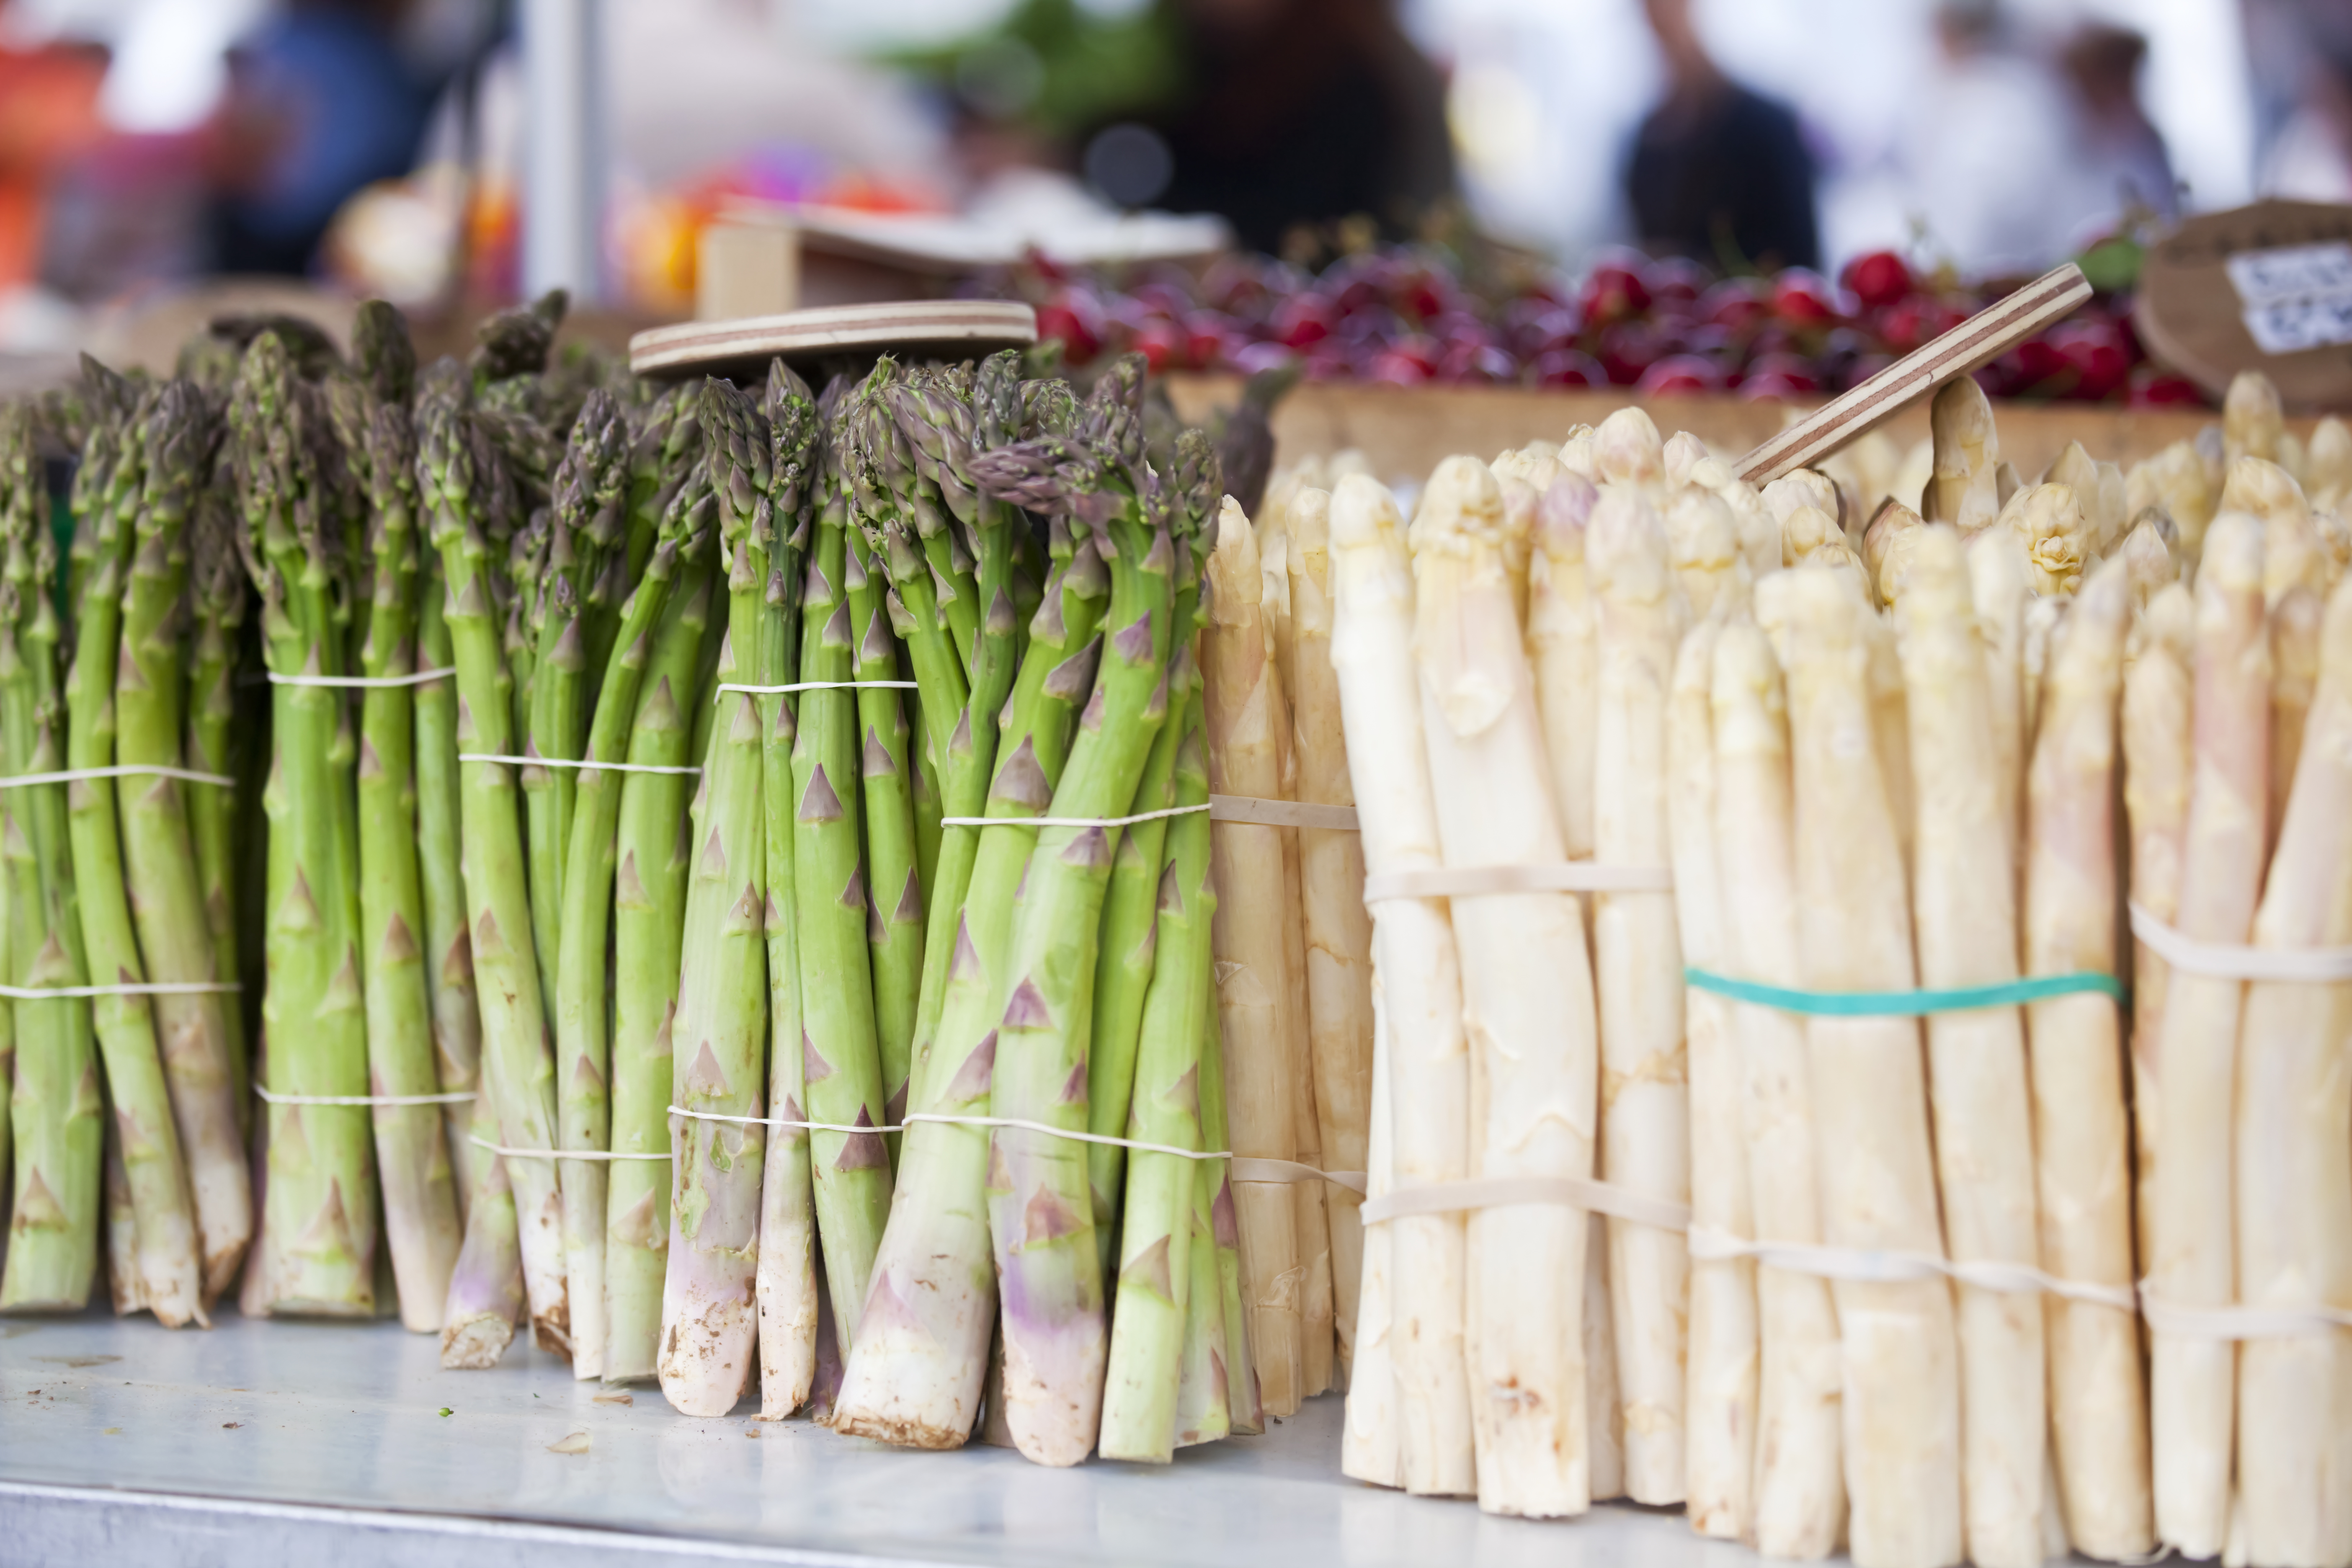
x: 49, y: 113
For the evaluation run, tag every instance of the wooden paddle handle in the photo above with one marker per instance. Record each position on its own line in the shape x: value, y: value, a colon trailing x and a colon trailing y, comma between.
x: 1983, y: 337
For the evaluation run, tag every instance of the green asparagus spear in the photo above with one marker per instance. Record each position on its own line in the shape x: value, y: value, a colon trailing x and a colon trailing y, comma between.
x: 1245, y: 1410
x: 448, y: 951
x: 895, y: 915
x: 165, y: 889
x: 57, y: 1111
x: 217, y: 590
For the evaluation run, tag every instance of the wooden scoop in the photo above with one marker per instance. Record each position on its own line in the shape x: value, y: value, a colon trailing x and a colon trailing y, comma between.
x: 1980, y: 340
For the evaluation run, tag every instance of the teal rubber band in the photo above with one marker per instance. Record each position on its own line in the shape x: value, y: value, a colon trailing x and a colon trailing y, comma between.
x: 1906, y: 1003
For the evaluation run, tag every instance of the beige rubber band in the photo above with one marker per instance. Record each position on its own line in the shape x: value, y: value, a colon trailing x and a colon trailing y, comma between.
x: 421, y: 678
x: 1504, y: 1192
x: 1276, y: 1173
x: 2310, y: 965
x: 145, y: 988
x: 1476, y: 882
x: 121, y: 770
x: 457, y: 1097
x: 1267, y: 812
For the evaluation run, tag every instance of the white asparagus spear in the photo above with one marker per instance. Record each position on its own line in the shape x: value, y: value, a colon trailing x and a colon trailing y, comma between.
x: 2328, y: 463
x: 1902, y: 1397
x: 1800, y: 1480
x: 1251, y: 954
x: 2251, y: 419
x: 2295, y: 615
x: 2293, y: 1163
x: 1371, y: 1445
x: 2192, y: 1379
x: 1809, y: 534
x: 1604, y: 1410
x: 2174, y: 480
x: 1337, y: 927
x: 2149, y: 553
x: 1561, y: 646
x: 1759, y: 531
x: 1419, y: 976
x: 1526, y: 997
x: 1965, y: 910
x: 2292, y: 553
x: 1886, y: 546
x: 1998, y: 588
x: 1720, y: 1410
x: 1627, y: 449
x: 1704, y: 544
x: 2156, y: 768
x: 1890, y: 726
x: 2049, y: 519
x: 1637, y: 957
x: 1965, y: 489
x: 2082, y: 1156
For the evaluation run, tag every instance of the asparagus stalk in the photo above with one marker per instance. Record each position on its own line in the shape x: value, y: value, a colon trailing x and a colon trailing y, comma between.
x: 786, y: 1284
x: 1335, y: 925
x: 1902, y: 1400
x: 708, y: 1314
x: 2295, y: 628
x: 1245, y: 1408
x: 459, y: 489
x: 929, y: 807
x: 2082, y: 1156
x: 914, y: 1373
x: 1141, y: 1387
x: 1637, y: 960
x: 1420, y: 981
x: 839, y: 1043
x: 1964, y: 904
x: 56, y: 1115
x: 449, y: 952
x: 651, y: 851
x: 581, y: 1022
x: 1799, y: 1488
x: 1723, y: 1373
x: 1204, y: 1394
x: 169, y: 1263
x: 2158, y: 766
x: 2292, y: 1151
x: 216, y: 596
x: 1524, y: 976
x: 486, y: 1295
x: 2192, y: 1379
x: 886, y: 809
x: 1371, y: 1445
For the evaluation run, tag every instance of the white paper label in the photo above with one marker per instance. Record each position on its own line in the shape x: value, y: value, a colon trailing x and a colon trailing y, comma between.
x: 2296, y: 297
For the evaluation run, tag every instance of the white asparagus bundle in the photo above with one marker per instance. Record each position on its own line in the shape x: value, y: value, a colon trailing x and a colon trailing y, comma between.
x: 1526, y: 997
x: 2083, y: 1155
x: 1371, y: 1443
x: 2157, y: 770
x: 1561, y: 646
x: 1252, y: 948
x: 2191, y: 1381
x: 1799, y: 1487
x: 1338, y: 929
x: 1419, y: 982
x: 1902, y: 1394
x: 1637, y: 960
x: 1720, y: 1412
x: 1964, y: 909
x: 2293, y: 1159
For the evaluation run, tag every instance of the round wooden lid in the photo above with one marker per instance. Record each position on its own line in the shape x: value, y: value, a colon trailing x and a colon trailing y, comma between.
x: 926, y: 326
x: 2207, y: 286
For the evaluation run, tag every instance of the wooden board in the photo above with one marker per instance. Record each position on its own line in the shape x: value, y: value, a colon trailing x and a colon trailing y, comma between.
x: 1406, y: 431
x: 927, y: 328
x: 2192, y: 316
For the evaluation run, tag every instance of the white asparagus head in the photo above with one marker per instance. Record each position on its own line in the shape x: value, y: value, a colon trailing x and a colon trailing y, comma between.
x: 2251, y: 419
x: 2327, y: 463
x: 1804, y: 488
x: 2174, y: 480
x: 1350, y: 460
x: 1519, y: 496
x: 1580, y: 452
x: 1807, y: 531
x: 2073, y: 466
x: 1705, y: 541
x: 1964, y: 487
x: 1472, y: 668
x: 1626, y: 551
x: 1630, y: 451
x: 2148, y: 559
x: 1888, y: 547
x: 2049, y: 520
x: 2335, y: 543
x: 1684, y: 452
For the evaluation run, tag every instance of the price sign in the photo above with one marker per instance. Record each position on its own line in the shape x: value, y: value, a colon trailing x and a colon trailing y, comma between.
x: 2265, y: 288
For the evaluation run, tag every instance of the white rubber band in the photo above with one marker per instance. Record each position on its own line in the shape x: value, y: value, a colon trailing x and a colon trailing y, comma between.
x: 418, y: 679
x: 505, y: 1153
x: 1871, y: 1266
x: 727, y: 686
x: 2311, y: 965
x: 2186, y: 1322
x: 570, y: 762
x: 1504, y: 1192
x: 155, y: 988
x: 920, y: 1116
x: 124, y: 770
x: 1071, y: 821
x: 1282, y: 813
x: 1477, y: 881
x: 459, y: 1098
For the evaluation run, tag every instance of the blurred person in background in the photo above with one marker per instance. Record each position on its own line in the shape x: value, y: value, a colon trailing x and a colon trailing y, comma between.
x: 1300, y: 112
x: 1990, y: 150
x: 49, y: 115
x: 1719, y: 172
x: 2310, y: 159
x: 320, y: 102
x: 2123, y: 163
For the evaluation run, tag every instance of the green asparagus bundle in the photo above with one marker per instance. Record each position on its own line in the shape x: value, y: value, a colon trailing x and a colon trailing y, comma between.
x: 320, y: 1207
x: 58, y: 1131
